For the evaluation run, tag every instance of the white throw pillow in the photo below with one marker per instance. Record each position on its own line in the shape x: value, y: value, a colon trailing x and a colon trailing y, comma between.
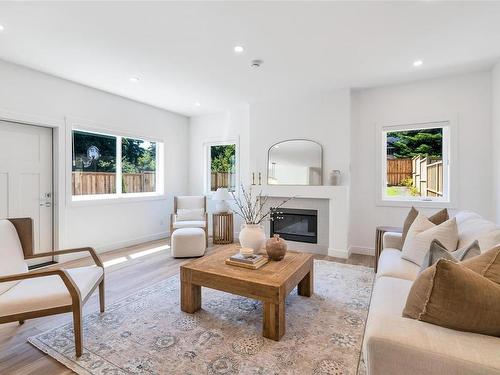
x: 422, y: 232
x: 194, y: 214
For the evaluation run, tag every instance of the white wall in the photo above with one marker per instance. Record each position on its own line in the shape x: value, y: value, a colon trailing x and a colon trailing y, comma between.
x: 27, y: 93
x: 324, y: 118
x: 467, y: 98
x: 495, y: 79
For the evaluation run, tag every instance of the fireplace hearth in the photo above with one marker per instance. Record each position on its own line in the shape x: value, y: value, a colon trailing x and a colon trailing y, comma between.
x: 295, y: 224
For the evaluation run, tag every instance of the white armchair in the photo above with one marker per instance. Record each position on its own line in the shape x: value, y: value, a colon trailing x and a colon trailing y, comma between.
x: 26, y: 295
x: 190, y: 212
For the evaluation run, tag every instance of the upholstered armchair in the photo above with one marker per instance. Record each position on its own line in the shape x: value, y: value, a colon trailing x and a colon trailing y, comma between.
x: 26, y: 295
x: 190, y: 212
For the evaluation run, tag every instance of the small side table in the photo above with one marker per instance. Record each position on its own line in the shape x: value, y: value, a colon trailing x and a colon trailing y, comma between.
x: 222, y: 225
x: 379, y: 237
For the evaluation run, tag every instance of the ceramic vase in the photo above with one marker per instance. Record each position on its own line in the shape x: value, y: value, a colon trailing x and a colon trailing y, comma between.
x: 276, y: 248
x: 252, y: 235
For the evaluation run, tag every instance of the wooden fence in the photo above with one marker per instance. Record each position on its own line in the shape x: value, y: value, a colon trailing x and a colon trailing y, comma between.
x: 222, y: 179
x: 398, y: 170
x: 426, y: 174
x: 90, y: 183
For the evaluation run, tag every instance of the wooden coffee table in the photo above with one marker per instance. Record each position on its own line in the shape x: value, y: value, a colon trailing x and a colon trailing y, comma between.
x: 270, y: 284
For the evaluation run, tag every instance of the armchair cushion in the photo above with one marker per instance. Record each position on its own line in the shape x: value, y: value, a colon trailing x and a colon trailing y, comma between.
x: 48, y: 291
x: 11, y: 253
x: 189, y: 224
x: 184, y: 214
x: 190, y: 202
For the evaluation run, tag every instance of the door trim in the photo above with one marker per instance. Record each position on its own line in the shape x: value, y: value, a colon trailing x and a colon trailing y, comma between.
x: 58, y: 174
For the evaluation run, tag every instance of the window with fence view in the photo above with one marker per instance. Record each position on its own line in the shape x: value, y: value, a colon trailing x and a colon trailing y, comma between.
x: 96, y: 170
x: 222, y: 167
x: 414, y: 163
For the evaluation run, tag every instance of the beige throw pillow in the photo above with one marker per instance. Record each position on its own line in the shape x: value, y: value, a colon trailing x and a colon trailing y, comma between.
x: 487, y: 264
x: 438, y: 218
x: 422, y: 232
x: 451, y: 295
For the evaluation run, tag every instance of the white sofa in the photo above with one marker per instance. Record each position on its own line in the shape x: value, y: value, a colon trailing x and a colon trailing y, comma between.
x: 394, y: 345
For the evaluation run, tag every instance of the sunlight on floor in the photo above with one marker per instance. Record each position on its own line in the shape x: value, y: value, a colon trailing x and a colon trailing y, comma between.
x: 139, y: 254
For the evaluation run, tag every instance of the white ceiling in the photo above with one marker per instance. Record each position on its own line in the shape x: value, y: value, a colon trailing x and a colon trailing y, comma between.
x: 183, y: 51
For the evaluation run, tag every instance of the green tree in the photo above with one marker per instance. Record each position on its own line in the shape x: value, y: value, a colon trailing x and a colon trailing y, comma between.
x: 222, y: 158
x: 410, y: 143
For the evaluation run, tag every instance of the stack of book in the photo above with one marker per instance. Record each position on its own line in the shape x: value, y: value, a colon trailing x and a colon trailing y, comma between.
x: 253, y: 261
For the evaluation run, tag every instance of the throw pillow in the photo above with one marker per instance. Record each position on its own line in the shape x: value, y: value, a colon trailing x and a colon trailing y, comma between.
x: 438, y: 251
x: 453, y: 296
x: 422, y: 232
x: 438, y: 218
x: 487, y: 264
x: 197, y: 214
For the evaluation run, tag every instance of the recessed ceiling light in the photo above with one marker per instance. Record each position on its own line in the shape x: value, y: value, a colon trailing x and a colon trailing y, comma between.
x: 239, y: 49
x: 2, y: 27
x: 418, y: 63
x: 197, y: 104
x: 134, y: 79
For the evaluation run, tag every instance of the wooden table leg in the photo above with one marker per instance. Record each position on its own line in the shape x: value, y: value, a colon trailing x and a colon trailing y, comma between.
x: 273, y: 326
x: 306, y: 286
x: 190, y: 297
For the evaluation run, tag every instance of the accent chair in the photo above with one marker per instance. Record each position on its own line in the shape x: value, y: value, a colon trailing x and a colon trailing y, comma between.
x: 190, y: 212
x: 31, y: 294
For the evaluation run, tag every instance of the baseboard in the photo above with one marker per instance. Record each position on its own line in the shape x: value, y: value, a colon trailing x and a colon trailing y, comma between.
x: 115, y: 245
x: 362, y: 250
x: 338, y: 253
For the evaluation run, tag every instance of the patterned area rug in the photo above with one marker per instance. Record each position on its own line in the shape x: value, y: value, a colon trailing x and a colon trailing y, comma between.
x: 146, y: 333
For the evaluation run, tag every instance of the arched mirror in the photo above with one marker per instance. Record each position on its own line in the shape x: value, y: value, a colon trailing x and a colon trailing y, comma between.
x: 295, y: 162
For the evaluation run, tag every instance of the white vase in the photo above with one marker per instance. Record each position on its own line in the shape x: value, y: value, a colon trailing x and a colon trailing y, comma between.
x: 253, y: 236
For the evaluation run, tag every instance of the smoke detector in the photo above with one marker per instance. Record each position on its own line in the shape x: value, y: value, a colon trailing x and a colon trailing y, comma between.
x: 256, y: 63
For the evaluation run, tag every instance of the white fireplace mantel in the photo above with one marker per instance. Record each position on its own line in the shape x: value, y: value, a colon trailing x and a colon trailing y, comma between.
x: 338, y: 210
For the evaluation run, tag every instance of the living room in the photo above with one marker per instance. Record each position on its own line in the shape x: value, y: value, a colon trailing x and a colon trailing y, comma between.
x: 134, y: 132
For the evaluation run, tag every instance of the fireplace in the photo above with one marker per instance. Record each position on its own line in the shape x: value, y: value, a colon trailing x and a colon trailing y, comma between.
x: 295, y: 224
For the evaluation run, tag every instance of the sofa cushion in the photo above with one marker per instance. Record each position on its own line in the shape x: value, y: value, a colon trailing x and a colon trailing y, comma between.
x: 48, y: 291
x: 391, y: 264
x: 472, y: 227
x: 438, y: 218
x: 11, y: 253
x: 422, y: 232
x: 486, y: 264
x: 189, y: 224
x: 438, y: 251
x: 451, y: 295
x: 395, y: 345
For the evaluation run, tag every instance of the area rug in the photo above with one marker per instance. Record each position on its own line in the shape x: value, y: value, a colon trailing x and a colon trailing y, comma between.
x: 146, y: 333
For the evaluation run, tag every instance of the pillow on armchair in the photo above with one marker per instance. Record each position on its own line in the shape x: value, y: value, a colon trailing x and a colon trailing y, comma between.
x: 192, y: 214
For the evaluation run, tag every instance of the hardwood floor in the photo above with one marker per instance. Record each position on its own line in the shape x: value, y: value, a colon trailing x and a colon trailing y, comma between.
x: 127, y: 270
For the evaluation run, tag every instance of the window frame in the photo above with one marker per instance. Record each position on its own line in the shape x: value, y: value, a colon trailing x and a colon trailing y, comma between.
x: 208, y: 158
x: 450, y: 170
x: 118, y: 196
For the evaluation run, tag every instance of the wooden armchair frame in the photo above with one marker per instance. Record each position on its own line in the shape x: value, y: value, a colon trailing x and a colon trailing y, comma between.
x: 24, y: 227
x: 172, y: 217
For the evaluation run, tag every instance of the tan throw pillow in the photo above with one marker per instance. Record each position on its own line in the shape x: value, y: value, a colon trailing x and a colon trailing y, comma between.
x: 422, y: 232
x: 487, y: 264
x: 438, y: 218
x: 453, y: 296
x: 438, y: 251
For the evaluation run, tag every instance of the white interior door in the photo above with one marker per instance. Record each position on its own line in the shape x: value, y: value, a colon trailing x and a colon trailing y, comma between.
x: 26, y: 179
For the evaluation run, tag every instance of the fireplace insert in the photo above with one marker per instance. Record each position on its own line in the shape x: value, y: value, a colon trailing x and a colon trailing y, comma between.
x: 295, y: 224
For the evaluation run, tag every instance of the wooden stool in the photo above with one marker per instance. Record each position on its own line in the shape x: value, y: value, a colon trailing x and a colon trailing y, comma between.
x: 222, y: 225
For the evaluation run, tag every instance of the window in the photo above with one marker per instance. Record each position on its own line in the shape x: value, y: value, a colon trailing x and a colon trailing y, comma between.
x: 100, y: 161
x: 416, y: 163
x: 138, y: 166
x: 222, y: 166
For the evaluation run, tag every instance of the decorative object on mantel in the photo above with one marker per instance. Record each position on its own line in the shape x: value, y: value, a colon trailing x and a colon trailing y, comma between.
x: 276, y: 248
x: 253, y: 210
x: 334, y: 177
x: 221, y: 196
